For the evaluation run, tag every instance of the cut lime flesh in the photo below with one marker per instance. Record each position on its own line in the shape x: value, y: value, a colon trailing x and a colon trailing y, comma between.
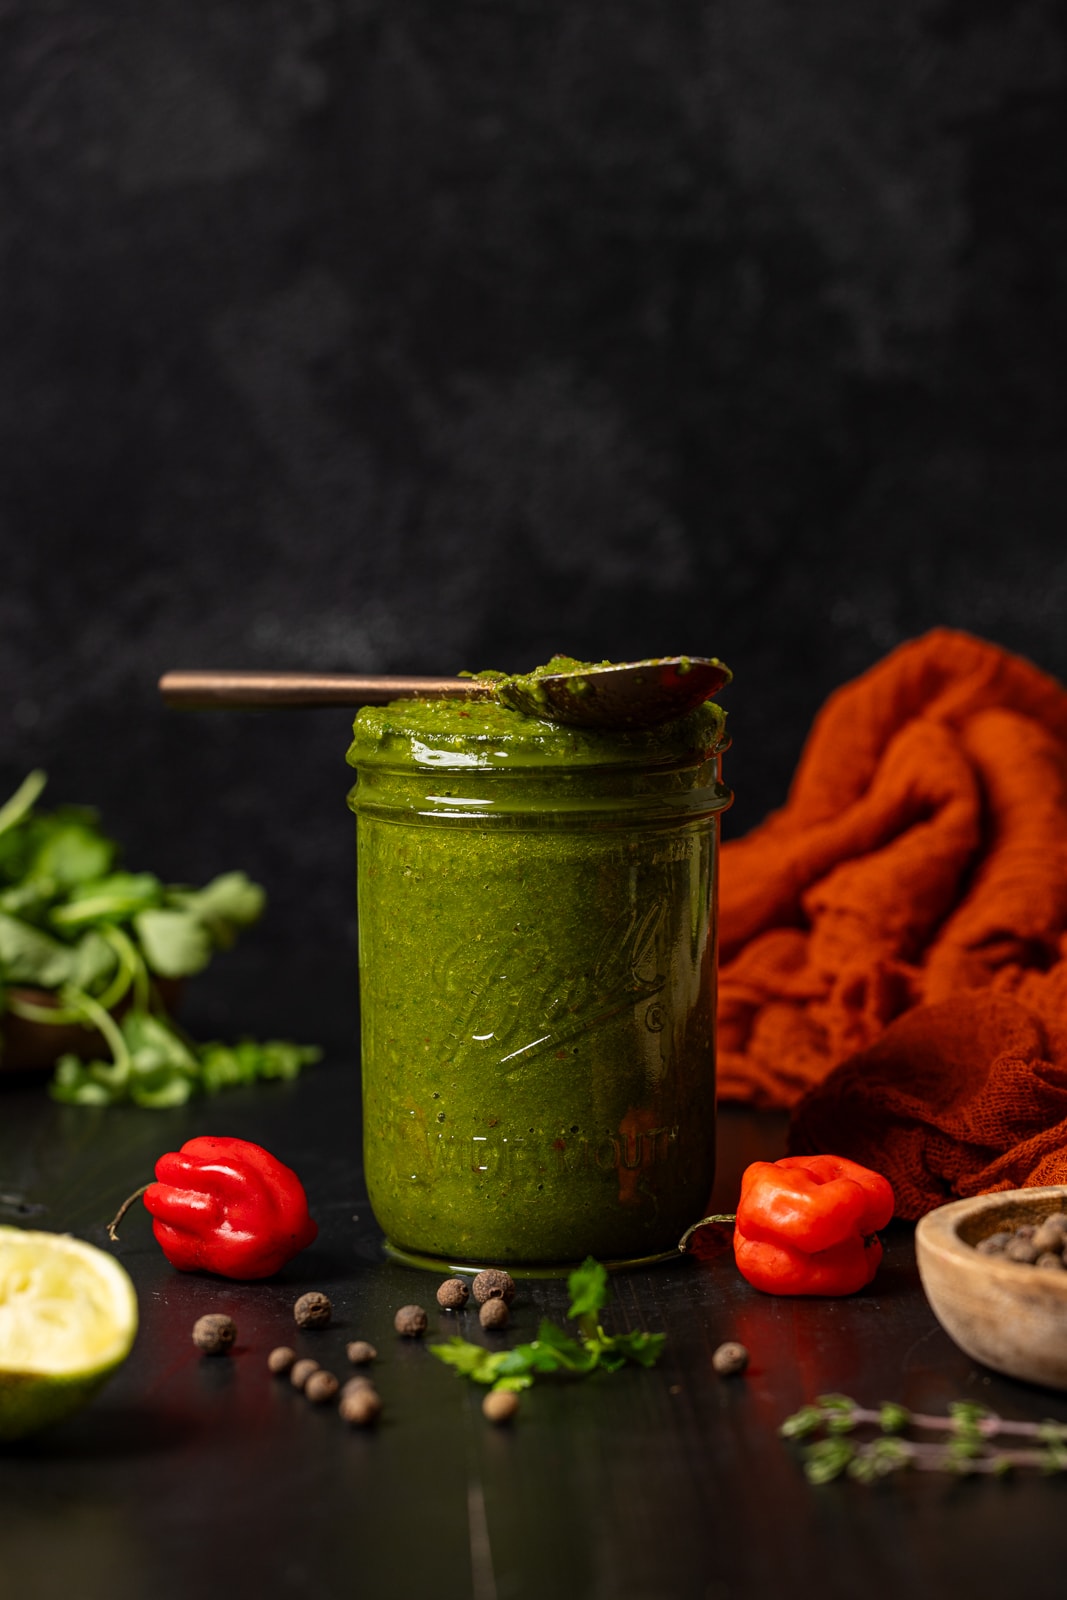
x: 68, y: 1317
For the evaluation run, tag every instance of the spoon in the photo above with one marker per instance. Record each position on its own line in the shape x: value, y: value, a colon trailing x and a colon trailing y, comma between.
x: 636, y: 694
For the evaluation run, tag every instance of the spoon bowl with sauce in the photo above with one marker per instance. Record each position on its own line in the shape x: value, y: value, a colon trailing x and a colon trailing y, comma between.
x: 635, y: 694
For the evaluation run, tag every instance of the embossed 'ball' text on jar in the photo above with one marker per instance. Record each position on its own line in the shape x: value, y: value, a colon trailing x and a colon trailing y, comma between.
x: 537, y: 953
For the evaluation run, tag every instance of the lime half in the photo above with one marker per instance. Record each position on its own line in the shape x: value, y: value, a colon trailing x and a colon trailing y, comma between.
x: 68, y: 1316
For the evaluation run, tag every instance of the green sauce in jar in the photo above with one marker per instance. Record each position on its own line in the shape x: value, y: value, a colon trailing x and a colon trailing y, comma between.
x: 537, y: 976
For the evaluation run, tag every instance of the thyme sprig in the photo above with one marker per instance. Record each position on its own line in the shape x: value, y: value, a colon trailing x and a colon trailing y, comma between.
x: 968, y: 1443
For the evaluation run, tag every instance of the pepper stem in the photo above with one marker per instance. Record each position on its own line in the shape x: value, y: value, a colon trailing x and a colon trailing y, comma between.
x: 113, y: 1225
x: 689, y: 1232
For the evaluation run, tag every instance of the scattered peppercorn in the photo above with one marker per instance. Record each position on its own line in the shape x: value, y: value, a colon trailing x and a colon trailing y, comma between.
x: 360, y: 1405
x: 500, y: 1405
x: 994, y: 1244
x: 352, y: 1384
x: 494, y: 1313
x: 493, y: 1284
x: 281, y: 1359
x: 410, y: 1322
x: 321, y: 1386
x: 1049, y: 1261
x: 730, y: 1358
x: 359, y: 1352
x: 1021, y: 1250
x: 215, y: 1333
x: 301, y: 1371
x: 312, y: 1310
x: 453, y: 1294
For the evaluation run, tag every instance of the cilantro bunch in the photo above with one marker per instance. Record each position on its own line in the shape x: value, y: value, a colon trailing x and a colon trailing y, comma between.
x: 97, y: 938
x: 554, y: 1353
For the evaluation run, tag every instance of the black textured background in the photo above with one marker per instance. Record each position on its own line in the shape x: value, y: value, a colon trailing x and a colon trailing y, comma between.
x: 410, y: 336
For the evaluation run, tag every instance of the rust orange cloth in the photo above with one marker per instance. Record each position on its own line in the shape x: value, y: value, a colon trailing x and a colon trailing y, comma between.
x: 894, y: 940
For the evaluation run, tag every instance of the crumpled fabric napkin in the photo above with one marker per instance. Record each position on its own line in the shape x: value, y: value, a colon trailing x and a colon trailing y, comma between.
x: 893, y: 941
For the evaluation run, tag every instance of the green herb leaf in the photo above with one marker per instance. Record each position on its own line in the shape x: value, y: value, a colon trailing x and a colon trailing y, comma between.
x: 93, y: 961
x: 73, y: 1085
x: 224, y: 906
x: 28, y: 956
x: 116, y: 898
x: 802, y: 1423
x: 643, y: 1349
x: 893, y: 1418
x: 878, y: 1459
x: 554, y: 1351
x: 470, y: 1360
x: 175, y: 943
x: 225, y: 1066
x: 67, y: 848
x: 22, y: 801
x: 588, y: 1288
x: 827, y: 1459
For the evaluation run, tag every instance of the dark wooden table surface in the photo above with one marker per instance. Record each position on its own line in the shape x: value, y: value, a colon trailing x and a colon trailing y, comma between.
x: 191, y: 1476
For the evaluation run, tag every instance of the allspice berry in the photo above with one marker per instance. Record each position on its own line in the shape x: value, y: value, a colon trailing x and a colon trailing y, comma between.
x: 360, y: 1405
x: 321, y: 1386
x: 215, y: 1333
x: 281, y: 1359
x: 312, y: 1310
x: 729, y: 1359
x: 301, y: 1371
x: 453, y: 1294
x: 360, y: 1353
x: 494, y: 1314
x: 410, y: 1322
x: 500, y: 1405
x: 360, y: 1381
x: 493, y: 1284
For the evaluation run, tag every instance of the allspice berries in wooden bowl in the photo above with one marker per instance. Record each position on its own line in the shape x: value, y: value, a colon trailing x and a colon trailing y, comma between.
x: 994, y: 1269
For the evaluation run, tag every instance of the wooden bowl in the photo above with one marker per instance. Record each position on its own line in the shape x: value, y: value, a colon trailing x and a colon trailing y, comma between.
x: 1007, y: 1315
x: 36, y: 1046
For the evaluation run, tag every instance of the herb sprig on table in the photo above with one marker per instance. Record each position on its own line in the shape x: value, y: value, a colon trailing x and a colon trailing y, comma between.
x: 97, y: 938
x: 554, y: 1353
x: 968, y: 1440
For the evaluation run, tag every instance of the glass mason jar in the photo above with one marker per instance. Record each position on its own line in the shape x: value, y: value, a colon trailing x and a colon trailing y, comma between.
x: 537, y: 955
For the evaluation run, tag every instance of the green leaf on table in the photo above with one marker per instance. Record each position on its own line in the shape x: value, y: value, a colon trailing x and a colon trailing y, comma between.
x: 225, y: 1066
x: 115, y: 898
x: 469, y: 1360
x: 643, y: 1349
x: 224, y: 906
x: 588, y: 1288
x: 74, y: 1086
x: 555, y: 1351
x: 175, y: 943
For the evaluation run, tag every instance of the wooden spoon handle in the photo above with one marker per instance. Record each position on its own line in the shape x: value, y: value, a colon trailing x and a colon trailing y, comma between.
x: 204, y: 690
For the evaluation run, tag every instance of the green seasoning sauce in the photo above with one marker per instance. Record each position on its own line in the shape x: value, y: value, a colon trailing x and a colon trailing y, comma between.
x: 537, y: 957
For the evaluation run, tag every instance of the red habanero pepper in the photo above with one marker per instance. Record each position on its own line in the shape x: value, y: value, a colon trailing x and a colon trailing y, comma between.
x: 229, y: 1207
x: 808, y: 1225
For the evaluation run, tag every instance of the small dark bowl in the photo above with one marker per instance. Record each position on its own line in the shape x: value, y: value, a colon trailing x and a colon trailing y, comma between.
x: 36, y: 1046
